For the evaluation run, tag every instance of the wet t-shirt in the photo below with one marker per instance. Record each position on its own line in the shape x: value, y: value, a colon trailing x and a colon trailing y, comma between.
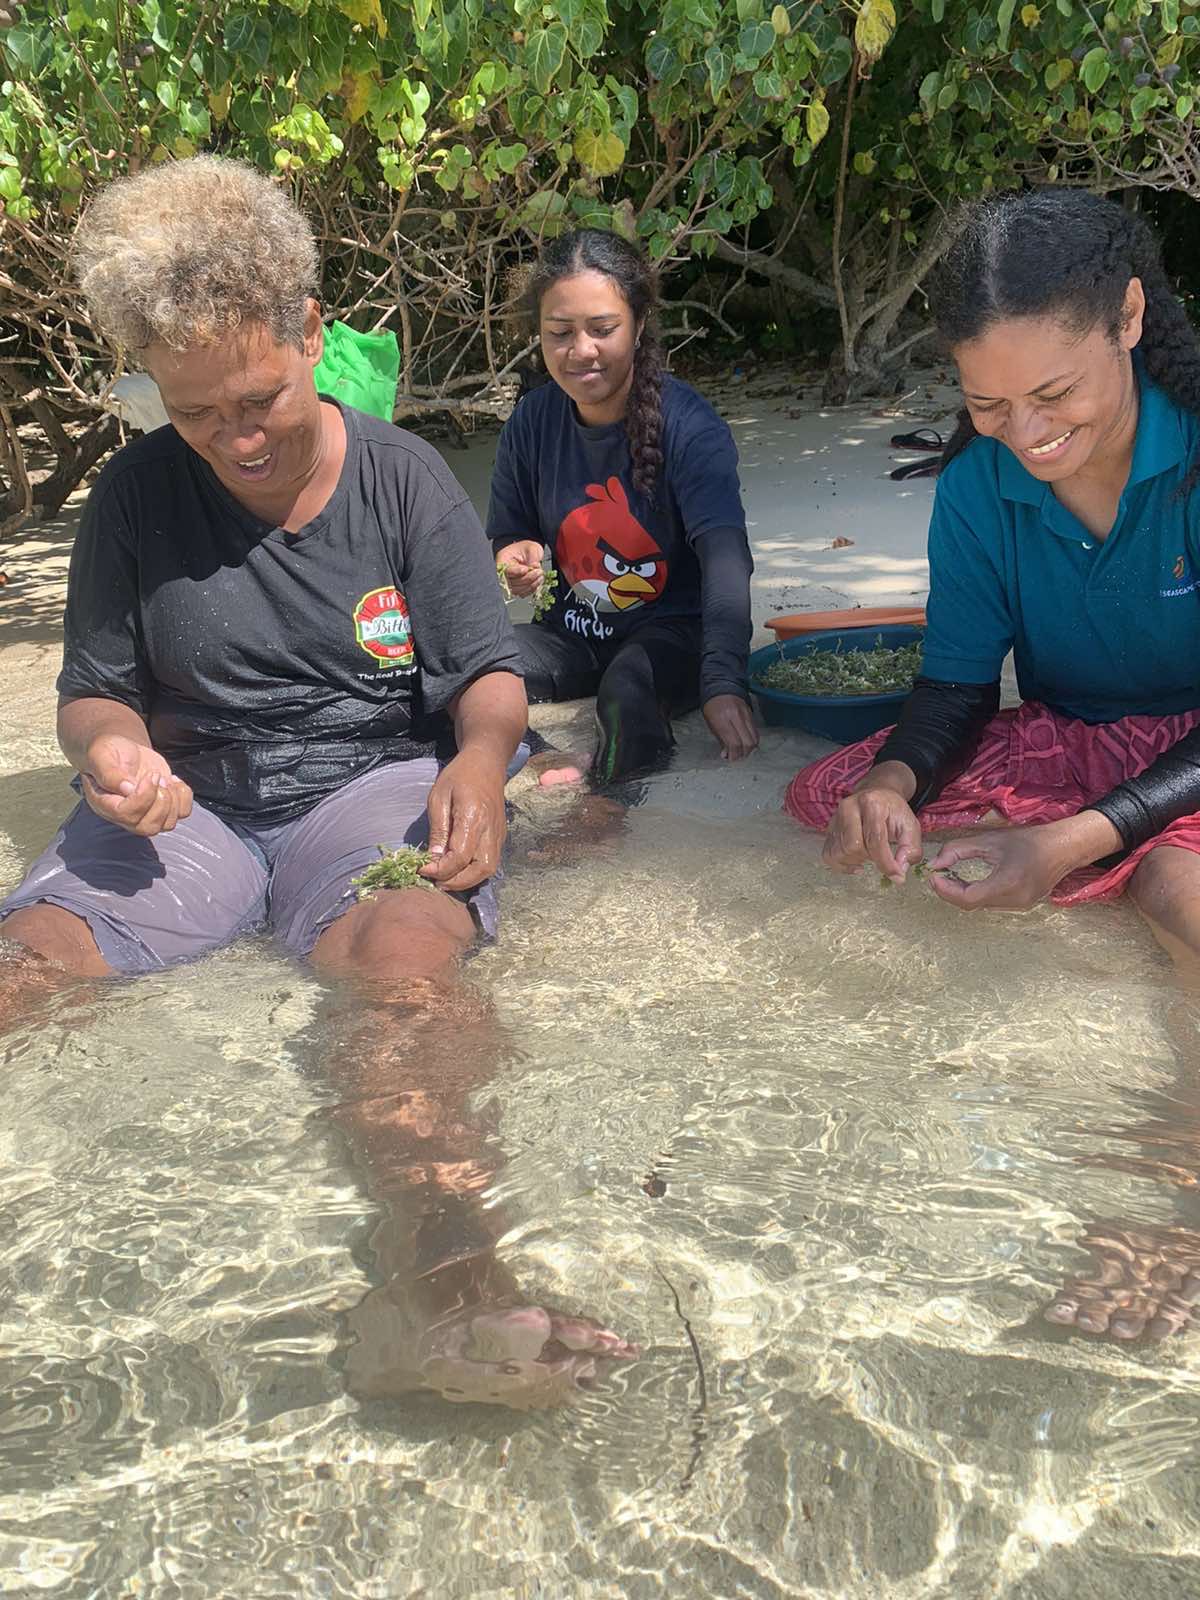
x: 271, y: 668
x: 621, y: 558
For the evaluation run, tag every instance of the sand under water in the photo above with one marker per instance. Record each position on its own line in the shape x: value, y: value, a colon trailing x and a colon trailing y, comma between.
x: 862, y: 1115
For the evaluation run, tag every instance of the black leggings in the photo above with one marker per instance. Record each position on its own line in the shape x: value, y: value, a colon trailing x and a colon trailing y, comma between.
x: 640, y: 683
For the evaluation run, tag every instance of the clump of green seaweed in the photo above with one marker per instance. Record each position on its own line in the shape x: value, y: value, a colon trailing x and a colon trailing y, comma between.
x: 922, y: 869
x: 395, y: 869
x: 849, y: 672
x: 543, y: 600
x: 918, y: 869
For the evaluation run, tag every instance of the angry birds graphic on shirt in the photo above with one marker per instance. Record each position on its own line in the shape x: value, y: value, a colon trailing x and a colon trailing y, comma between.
x: 607, y: 558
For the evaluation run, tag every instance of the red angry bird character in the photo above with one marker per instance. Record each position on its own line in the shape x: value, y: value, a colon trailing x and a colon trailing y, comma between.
x: 606, y: 556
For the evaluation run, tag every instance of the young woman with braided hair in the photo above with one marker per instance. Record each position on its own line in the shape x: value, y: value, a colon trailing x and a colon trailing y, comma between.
x: 1066, y: 528
x: 629, y: 478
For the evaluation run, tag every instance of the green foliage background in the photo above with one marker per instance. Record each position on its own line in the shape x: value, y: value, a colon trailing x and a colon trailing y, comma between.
x: 805, y: 151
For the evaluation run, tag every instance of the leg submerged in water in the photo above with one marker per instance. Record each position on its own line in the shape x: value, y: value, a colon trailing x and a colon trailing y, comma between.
x: 58, y: 937
x: 1143, y: 1281
x: 1146, y: 1280
x: 1166, y: 890
x: 44, y: 951
x: 448, y: 1315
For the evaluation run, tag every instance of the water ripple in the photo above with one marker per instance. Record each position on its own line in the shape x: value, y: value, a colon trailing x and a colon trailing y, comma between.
x: 854, y: 1136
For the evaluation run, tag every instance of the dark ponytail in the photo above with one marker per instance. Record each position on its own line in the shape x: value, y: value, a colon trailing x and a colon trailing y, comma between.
x: 594, y: 250
x: 1066, y: 254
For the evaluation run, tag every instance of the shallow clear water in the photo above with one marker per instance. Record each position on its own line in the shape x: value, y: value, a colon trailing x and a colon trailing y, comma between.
x: 865, y: 1109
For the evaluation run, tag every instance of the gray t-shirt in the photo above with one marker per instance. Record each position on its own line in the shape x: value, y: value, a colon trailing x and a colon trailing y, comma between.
x: 270, y: 667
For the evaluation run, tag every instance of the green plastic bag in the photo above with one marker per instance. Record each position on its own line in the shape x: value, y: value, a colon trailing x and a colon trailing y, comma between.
x: 360, y: 369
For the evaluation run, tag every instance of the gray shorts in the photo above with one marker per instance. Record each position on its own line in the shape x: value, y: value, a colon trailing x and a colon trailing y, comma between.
x: 153, y: 902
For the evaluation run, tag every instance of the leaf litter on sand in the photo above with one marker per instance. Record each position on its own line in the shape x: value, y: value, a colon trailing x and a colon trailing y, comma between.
x: 845, y: 672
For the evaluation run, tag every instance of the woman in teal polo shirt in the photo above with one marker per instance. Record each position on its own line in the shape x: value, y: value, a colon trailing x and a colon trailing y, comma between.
x: 1066, y: 528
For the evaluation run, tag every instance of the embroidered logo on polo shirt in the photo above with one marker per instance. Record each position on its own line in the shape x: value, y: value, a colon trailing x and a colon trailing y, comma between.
x: 383, y: 629
x: 1184, y: 582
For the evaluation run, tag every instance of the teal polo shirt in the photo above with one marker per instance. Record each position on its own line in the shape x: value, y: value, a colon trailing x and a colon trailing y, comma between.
x: 1099, y: 629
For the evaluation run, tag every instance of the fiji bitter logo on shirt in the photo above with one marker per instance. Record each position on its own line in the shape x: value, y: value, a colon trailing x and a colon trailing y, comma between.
x: 383, y: 629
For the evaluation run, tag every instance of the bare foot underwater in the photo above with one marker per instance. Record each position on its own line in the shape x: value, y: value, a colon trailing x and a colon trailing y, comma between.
x: 1143, y: 1281
x: 446, y: 1316
x: 553, y: 768
x: 463, y: 1332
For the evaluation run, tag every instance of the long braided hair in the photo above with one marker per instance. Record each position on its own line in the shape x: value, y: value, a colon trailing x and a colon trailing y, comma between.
x: 594, y: 250
x: 1066, y: 254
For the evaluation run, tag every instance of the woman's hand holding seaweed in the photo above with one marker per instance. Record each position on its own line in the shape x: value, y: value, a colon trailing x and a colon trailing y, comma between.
x: 521, y: 564
x: 131, y: 785
x: 876, y: 823
x: 732, y: 724
x: 467, y: 823
x: 1026, y: 862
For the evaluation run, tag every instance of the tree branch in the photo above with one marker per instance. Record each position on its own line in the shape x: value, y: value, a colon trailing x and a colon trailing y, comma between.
x: 768, y: 267
x: 839, y: 210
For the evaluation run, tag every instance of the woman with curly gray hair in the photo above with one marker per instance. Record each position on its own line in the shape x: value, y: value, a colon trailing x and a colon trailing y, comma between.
x: 285, y: 643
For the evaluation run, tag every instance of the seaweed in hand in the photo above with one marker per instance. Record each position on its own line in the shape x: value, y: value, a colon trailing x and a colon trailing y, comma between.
x: 543, y: 600
x: 395, y: 869
x: 918, y: 869
x: 845, y: 672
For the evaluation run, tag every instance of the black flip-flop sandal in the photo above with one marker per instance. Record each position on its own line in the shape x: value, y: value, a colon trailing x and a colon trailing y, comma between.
x: 916, y: 469
x: 919, y: 439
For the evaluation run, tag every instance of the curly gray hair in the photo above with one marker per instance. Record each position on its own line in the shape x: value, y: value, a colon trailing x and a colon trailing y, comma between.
x: 183, y: 253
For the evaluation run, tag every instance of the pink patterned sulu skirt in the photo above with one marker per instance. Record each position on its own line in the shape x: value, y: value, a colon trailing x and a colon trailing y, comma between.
x: 1032, y: 765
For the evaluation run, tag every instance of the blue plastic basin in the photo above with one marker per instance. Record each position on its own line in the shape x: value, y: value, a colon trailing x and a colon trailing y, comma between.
x: 840, y: 717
